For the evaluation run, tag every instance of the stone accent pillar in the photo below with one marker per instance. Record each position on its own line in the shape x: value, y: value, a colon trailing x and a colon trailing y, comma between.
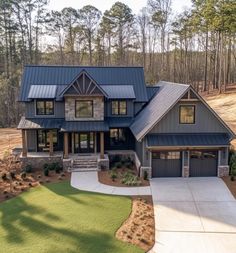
x: 66, y: 143
x: 24, y: 143
x: 185, y: 163
x: 223, y: 171
x: 50, y: 143
x: 102, y: 145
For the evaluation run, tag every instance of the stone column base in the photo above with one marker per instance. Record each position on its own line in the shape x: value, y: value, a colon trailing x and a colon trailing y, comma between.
x: 223, y: 171
x: 185, y: 171
x: 148, y: 170
x: 103, y: 164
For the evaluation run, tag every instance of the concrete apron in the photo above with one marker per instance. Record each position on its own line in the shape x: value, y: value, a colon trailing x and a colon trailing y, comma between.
x: 193, y: 215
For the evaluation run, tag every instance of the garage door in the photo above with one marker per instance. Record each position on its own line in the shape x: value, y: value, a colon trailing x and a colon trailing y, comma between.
x: 203, y: 163
x: 166, y: 164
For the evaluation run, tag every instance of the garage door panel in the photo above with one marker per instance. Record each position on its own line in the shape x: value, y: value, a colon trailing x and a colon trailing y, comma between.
x: 203, y: 163
x: 164, y: 166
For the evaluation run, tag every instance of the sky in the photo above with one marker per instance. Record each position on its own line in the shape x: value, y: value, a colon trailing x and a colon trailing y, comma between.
x: 102, y: 5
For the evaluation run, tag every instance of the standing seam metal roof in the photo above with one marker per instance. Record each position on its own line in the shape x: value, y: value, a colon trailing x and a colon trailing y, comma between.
x: 63, y: 75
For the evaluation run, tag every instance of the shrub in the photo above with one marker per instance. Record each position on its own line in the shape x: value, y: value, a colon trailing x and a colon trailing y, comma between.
x: 45, y: 166
x: 23, y: 175
x: 46, y: 172
x: 58, y: 168
x: 130, y: 179
x: 113, y: 175
x: 28, y: 168
x: 145, y: 175
x: 233, y: 173
x: 118, y: 165
x: 4, y: 176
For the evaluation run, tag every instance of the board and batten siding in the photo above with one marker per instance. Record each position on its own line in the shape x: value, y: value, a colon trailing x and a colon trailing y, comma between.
x: 205, y: 121
x: 30, y: 110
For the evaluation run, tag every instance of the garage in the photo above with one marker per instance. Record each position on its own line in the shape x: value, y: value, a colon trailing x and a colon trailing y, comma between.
x: 203, y: 163
x: 166, y: 164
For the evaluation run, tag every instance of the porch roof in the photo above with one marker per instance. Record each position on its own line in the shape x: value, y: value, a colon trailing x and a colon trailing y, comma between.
x: 203, y: 139
x: 84, y: 126
x: 40, y: 123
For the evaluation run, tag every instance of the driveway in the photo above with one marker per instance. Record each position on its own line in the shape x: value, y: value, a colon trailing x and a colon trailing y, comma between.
x: 193, y: 215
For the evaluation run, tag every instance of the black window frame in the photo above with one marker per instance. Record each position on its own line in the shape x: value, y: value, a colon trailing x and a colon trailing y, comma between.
x: 44, y: 107
x: 118, y: 107
x: 87, y: 117
x: 194, y: 115
x: 45, y: 132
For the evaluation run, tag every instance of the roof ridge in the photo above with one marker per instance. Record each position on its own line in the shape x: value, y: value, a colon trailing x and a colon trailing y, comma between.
x: 173, y: 83
x: 79, y: 66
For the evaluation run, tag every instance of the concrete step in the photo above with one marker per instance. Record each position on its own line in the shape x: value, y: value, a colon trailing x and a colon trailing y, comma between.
x: 84, y: 165
x: 82, y: 169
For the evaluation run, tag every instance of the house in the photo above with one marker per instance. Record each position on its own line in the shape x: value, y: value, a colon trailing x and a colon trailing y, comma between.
x: 168, y: 128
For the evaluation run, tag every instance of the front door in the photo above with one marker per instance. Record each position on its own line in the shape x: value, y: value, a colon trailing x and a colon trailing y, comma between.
x: 84, y: 142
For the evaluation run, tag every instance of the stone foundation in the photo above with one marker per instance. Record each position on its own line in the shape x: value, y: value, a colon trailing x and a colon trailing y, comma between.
x: 185, y: 171
x: 66, y: 164
x: 223, y: 171
x: 38, y: 162
x: 104, y: 164
x: 148, y: 170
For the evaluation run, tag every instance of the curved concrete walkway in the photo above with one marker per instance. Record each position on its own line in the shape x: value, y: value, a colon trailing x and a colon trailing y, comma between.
x: 88, y: 181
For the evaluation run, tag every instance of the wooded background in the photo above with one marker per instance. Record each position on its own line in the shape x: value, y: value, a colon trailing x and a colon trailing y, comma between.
x: 195, y: 47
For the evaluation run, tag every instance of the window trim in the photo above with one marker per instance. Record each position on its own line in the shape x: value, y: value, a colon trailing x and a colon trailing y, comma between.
x: 119, y: 109
x: 194, y: 116
x: 44, y: 102
x: 80, y: 100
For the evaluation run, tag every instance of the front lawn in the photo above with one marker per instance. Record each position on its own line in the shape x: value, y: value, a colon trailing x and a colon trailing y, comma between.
x: 57, y: 218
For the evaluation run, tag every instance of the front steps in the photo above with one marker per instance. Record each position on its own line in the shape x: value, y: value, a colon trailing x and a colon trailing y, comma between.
x: 84, y: 163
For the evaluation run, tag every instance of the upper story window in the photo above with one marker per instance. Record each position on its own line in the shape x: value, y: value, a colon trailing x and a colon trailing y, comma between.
x: 84, y: 109
x: 44, y: 107
x: 118, y: 107
x: 187, y: 114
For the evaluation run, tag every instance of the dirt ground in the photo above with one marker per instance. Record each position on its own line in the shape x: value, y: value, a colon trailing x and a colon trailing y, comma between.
x: 12, y: 185
x: 9, y: 138
x: 105, y: 178
x: 139, y: 228
x: 231, y: 185
x: 225, y: 106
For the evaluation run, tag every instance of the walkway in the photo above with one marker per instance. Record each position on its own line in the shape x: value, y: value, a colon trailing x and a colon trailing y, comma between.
x: 193, y: 215
x: 88, y: 181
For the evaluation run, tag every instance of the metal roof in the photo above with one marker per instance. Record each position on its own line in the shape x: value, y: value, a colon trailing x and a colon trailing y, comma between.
x: 166, y: 97
x: 42, y: 91
x: 151, y: 91
x: 119, y: 121
x: 63, y: 75
x: 40, y: 123
x: 85, y: 126
x: 119, y: 91
x: 203, y: 139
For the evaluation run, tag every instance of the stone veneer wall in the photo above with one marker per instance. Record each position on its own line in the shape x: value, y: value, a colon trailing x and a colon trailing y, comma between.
x: 38, y: 162
x: 185, y: 171
x: 98, y: 108
x: 223, y: 171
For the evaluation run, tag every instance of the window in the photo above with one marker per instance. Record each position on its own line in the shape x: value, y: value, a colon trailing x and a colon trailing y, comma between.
x: 43, y: 139
x: 118, y: 107
x: 117, y: 136
x: 84, y: 109
x: 166, y: 155
x: 44, y: 107
x: 187, y: 114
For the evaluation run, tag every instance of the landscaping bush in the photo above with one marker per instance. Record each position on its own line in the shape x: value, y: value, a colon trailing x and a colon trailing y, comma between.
x: 130, y: 179
x: 45, y: 166
x: 145, y: 175
x: 233, y: 173
x: 113, y: 175
x: 28, y: 169
x: 233, y: 166
x: 46, y: 172
x: 118, y: 165
x: 58, y: 168
x: 4, y: 176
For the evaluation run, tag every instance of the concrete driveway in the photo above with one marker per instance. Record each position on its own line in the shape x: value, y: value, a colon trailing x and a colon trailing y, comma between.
x: 193, y: 215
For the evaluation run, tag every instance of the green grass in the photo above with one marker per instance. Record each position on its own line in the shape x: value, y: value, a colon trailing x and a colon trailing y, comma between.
x: 56, y: 218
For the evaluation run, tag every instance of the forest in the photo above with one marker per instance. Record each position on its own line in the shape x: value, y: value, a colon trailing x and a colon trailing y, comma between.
x: 196, y: 46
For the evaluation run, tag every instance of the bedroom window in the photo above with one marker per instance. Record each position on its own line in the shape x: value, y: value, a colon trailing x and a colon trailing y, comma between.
x: 44, y: 107
x: 118, y: 107
x: 84, y: 109
x: 187, y: 114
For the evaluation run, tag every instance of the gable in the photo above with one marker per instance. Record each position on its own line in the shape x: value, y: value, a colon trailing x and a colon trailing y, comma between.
x: 83, y: 85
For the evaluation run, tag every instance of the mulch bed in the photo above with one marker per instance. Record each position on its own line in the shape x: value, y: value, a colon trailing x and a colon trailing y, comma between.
x: 231, y: 185
x: 139, y: 228
x: 105, y: 178
x: 11, y: 187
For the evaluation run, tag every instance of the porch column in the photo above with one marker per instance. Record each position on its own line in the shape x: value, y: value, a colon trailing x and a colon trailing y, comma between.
x: 50, y: 143
x: 95, y: 142
x: 24, y: 143
x: 102, y: 145
x: 72, y: 143
x: 65, y: 145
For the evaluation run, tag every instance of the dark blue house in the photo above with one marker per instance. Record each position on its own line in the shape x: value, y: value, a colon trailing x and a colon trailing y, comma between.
x: 168, y: 128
